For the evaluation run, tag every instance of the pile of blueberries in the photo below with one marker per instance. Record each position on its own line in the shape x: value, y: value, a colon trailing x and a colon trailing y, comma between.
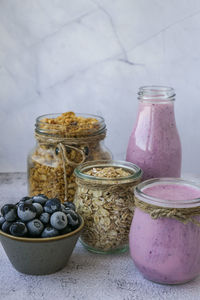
x: 39, y: 216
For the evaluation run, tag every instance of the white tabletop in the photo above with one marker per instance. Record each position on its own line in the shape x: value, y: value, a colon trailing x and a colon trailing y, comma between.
x: 87, y: 275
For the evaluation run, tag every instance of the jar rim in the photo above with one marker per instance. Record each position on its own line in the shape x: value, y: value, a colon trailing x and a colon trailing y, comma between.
x: 135, y: 171
x: 55, y: 128
x: 156, y: 94
x: 142, y: 196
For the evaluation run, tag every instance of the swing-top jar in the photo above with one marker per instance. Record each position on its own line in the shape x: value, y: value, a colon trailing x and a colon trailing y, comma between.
x: 63, y: 142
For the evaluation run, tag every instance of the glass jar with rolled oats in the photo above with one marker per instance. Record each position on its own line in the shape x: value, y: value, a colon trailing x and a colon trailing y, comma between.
x: 105, y: 199
x: 63, y: 142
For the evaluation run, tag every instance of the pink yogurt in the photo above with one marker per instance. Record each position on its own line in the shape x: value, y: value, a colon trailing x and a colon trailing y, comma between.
x: 154, y: 144
x: 166, y: 250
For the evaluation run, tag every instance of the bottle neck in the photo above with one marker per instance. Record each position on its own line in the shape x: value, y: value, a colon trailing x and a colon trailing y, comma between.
x: 156, y: 115
x: 156, y: 109
x: 156, y: 95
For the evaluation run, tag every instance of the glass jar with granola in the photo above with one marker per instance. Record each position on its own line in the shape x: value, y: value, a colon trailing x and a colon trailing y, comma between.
x: 105, y: 199
x: 63, y: 142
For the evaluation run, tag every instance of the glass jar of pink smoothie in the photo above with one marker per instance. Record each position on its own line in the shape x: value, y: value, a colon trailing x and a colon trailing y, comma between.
x: 154, y: 144
x: 164, y: 239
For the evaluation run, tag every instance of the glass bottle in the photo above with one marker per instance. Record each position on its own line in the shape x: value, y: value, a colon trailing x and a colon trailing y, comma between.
x: 154, y: 144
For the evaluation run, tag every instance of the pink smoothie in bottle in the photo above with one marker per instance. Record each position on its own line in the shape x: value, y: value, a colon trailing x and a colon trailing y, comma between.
x: 166, y: 250
x: 154, y: 144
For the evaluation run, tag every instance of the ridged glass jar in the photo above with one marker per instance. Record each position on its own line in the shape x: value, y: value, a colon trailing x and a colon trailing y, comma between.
x: 165, y: 231
x: 106, y: 204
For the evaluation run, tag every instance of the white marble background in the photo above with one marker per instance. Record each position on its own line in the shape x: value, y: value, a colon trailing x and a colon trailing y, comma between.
x: 91, y: 56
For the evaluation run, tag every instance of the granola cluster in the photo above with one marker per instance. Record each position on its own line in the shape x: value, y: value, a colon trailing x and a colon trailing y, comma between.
x: 107, y: 209
x: 49, y: 172
x: 70, y: 125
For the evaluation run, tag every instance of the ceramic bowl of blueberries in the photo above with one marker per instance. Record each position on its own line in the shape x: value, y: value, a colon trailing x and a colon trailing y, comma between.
x: 39, y: 234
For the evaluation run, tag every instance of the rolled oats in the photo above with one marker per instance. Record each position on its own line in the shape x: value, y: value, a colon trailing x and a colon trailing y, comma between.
x: 106, y: 204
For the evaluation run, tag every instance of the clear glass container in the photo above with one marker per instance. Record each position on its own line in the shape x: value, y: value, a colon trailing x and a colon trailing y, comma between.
x: 59, y: 150
x: 106, y: 204
x: 154, y: 144
x: 164, y: 238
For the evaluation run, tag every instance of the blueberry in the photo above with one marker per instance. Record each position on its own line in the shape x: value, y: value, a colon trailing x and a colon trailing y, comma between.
x: 86, y: 150
x: 67, y: 210
x: 5, y: 226
x: 41, y: 198
x: 58, y: 220
x: 35, y: 227
x: 26, y: 199
x: 39, y: 208
x: 9, y: 212
x: 44, y: 218
x: 26, y: 212
x: 49, y: 232
x: 2, y: 220
x: 57, y: 150
x: 73, y: 219
x: 43, y: 195
x: 69, y: 205
x: 18, y: 229
x: 52, y: 205
x: 65, y: 230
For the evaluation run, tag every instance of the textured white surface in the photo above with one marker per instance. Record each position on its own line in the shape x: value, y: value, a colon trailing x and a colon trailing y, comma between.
x: 92, y: 56
x: 87, y: 276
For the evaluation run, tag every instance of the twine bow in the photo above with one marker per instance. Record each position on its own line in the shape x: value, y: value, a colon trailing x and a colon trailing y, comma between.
x: 61, y: 144
x: 65, y: 160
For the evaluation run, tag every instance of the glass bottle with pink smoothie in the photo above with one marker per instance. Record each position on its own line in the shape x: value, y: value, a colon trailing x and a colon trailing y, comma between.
x: 164, y: 238
x: 154, y: 144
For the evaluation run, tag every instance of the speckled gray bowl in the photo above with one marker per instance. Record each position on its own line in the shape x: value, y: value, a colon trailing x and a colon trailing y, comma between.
x: 40, y: 256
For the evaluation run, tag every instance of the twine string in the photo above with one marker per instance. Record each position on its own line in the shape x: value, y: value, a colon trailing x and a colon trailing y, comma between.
x: 109, y: 187
x: 63, y: 154
x: 184, y: 215
x: 72, y: 143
